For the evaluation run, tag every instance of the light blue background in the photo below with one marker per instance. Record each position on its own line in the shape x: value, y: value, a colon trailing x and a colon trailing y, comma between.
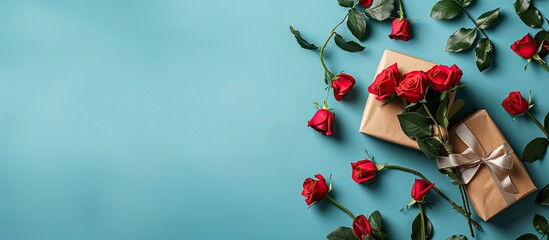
x: 187, y: 119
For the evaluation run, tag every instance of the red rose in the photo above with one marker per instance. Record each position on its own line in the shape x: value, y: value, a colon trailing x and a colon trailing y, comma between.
x: 400, y: 29
x: 443, y: 78
x: 546, y: 45
x: 412, y: 87
x: 525, y: 47
x: 342, y: 84
x: 322, y: 121
x: 420, y: 188
x: 385, y: 82
x: 363, y: 170
x: 361, y: 227
x: 515, y: 104
x: 314, y: 190
x: 365, y: 3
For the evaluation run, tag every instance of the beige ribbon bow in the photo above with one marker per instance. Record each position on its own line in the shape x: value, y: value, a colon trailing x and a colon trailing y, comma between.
x: 499, y: 162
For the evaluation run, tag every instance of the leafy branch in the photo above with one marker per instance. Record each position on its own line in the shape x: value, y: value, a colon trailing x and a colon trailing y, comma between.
x: 464, y: 38
x: 532, y: 17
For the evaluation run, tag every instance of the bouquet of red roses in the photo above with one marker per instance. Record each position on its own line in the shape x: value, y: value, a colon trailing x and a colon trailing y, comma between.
x: 425, y: 117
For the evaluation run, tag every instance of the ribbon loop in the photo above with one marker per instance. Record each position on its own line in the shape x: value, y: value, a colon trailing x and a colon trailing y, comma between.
x: 499, y: 162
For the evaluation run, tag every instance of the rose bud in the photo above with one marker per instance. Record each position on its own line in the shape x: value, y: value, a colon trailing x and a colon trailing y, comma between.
x: 420, y: 188
x: 525, y: 47
x: 400, y: 29
x: 342, y: 84
x: 365, y: 3
x: 443, y: 78
x: 515, y: 104
x: 314, y: 190
x: 361, y: 227
x: 412, y: 86
x: 385, y: 83
x: 363, y: 170
x: 322, y: 121
x: 546, y: 45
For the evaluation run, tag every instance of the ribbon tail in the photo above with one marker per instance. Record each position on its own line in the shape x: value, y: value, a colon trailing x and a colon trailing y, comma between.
x: 508, y: 185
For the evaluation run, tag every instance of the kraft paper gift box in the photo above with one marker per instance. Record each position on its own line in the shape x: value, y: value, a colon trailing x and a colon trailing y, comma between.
x: 380, y: 120
x: 485, y: 195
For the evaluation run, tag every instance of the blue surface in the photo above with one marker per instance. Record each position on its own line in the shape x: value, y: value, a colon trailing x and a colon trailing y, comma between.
x: 187, y: 120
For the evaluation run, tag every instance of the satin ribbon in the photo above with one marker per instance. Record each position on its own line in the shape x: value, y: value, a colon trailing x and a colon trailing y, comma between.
x: 499, y: 162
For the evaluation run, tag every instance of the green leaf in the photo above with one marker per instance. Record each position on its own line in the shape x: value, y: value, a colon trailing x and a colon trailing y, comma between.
x: 350, y: 46
x: 302, y: 42
x: 483, y: 54
x: 456, y: 106
x: 541, y: 224
x: 445, y: 9
x: 521, y: 6
x: 356, y: 23
x: 442, y: 113
x: 375, y: 225
x: 461, y: 39
x: 531, y: 17
x: 541, y: 36
x: 543, y: 196
x: 416, y: 228
x: 457, y: 237
x: 346, y: 3
x: 535, y: 149
x: 341, y: 233
x: 465, y: 3
x: 431, y: 147
x: 528, y: 236
x: 488, y: 18
x: 546, y: 122
x: 380, y: 10
x: 415, y: 125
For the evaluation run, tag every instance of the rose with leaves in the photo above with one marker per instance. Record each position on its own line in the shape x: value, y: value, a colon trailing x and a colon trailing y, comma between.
x: 426, y: 116
x: 527, y: 48
x: 355, y: 19
x: 516, y: 105
x: 419, y: 190
x: 315, y: 191
x: 361, y: 228
x: 365, y: 171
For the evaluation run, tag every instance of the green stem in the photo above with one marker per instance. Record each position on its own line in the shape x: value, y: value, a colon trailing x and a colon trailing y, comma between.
x: 434, y: 120
x: 440, y: 193
x: 423, y: 227
x: 400, y: 10
x: 340, y: 206
x: 542, y: 63
x: 327, y: 94
x: 475, y: 22
x: 467, y: 208
x: 537, y: 123
x: 330, y: 74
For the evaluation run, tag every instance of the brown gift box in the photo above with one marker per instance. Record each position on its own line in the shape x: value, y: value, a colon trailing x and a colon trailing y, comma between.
x: 482, y: 190
x: 380, y: 121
